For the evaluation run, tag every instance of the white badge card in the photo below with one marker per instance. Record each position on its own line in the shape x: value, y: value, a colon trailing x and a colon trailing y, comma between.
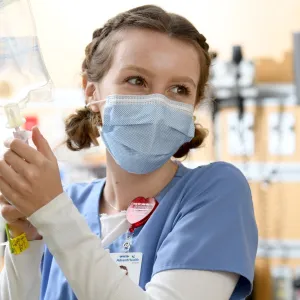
x: 131, y: 263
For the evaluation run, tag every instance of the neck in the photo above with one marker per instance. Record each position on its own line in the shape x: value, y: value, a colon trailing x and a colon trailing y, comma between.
x: 122, y: 187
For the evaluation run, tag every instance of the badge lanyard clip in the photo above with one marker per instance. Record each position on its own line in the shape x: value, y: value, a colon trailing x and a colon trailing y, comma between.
x: 128, y: 241
x: 138, y: 213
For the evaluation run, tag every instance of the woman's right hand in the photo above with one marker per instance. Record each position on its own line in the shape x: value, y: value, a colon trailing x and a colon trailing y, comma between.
x: 17, y: 222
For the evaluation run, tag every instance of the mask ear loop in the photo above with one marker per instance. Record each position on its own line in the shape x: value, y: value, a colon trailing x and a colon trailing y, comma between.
x: 87, y: 106
x: 94, y: 102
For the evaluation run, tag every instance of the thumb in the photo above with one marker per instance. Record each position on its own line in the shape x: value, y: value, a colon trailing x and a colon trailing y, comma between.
x: 42, y: 144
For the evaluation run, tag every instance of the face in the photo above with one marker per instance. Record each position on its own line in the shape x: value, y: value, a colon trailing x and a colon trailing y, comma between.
x: 147, y: 62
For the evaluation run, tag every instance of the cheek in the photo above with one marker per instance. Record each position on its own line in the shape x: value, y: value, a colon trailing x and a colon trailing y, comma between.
x: 108, y: 86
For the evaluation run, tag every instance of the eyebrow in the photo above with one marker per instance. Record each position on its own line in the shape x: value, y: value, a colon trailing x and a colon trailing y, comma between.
x: 184, y: 79
x: 138, y: 69
x: 150, y: 74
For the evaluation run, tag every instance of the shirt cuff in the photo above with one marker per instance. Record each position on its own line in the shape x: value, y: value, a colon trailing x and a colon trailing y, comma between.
x: 50, y: 209
x: 60, y: 224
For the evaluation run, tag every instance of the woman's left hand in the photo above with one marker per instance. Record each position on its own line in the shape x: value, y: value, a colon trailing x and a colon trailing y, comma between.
x: 29, y: 178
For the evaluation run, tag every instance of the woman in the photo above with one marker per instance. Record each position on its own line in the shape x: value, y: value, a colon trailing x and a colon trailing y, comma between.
x: 188, y: 234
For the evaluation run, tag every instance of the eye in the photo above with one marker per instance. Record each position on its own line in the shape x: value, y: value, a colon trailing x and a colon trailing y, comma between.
x: 136, y: 80
x: 180, y: 90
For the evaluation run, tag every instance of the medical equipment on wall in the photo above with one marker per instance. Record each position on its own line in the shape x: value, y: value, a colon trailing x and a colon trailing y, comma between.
x: 282, y: 283
x: 297, y: 64
x: 296, y: 286
x: 232, y: 82
x: 234, y: 78
x: 23, y: 74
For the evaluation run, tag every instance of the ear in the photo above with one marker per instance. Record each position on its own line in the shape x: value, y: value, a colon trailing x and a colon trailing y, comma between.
x: 90, y: 95
x: 84, y: 80
x: 89, y: 89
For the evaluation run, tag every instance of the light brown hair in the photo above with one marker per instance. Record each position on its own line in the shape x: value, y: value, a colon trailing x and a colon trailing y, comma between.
x: 82, y: 127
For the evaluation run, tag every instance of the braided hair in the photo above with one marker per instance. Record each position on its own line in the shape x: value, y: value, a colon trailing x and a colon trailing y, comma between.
x: 82, y: 126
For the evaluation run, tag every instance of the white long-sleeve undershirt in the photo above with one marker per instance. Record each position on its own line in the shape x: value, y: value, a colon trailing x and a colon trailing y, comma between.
x: 70, y: 240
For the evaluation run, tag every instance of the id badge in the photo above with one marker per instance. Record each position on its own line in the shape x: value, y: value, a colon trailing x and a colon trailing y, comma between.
x: 131, y: 263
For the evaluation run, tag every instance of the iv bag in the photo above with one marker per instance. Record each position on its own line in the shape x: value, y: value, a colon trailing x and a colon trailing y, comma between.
x: 23, y: 74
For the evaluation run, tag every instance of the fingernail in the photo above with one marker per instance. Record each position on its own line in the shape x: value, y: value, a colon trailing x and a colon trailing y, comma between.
x: 8, y: 142
x: 40, y: 133
x: 37, y: 128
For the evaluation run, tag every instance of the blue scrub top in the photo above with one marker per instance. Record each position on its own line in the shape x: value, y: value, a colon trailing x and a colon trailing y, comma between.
x: 204, y: 221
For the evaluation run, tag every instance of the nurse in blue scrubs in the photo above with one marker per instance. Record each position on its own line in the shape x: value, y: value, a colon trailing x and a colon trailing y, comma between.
x: 179, y: 233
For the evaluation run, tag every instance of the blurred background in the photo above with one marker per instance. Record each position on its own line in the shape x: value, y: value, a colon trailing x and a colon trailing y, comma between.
x: 251, y: 109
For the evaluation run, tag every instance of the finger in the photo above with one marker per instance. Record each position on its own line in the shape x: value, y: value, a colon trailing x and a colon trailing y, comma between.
x: 10, y: 213
x: 10, y: 177
x: 3, y: 200
x: 7, y: 173
x: 19, y: 227
x: 18, y: 164
x: 6, y: 190
x: 25, y: 151
x: 42, y: 145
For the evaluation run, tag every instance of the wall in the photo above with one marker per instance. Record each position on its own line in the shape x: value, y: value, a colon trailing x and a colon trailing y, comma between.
x: 263, y: 27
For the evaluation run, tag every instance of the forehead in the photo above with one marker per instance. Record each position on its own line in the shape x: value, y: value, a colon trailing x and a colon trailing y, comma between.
x: 157, y: 52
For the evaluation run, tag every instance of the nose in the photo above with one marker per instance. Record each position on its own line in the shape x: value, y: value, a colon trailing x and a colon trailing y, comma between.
x: 159, y: 87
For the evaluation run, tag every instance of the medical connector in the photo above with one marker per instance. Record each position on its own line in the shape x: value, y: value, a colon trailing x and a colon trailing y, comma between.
x: 13, y: 114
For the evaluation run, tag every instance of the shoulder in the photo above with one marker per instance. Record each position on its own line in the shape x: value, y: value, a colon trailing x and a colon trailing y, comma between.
x: 215, y: 212
x: 217, y: 172
x: 219, y: 195
x: 217, y: 181
x: 217, y: 190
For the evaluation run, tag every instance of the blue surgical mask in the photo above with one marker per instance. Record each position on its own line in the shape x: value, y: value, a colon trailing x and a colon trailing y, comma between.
x: 142, y: 132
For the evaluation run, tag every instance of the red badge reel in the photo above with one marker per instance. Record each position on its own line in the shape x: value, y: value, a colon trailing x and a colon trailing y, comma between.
x: 138, y: 213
